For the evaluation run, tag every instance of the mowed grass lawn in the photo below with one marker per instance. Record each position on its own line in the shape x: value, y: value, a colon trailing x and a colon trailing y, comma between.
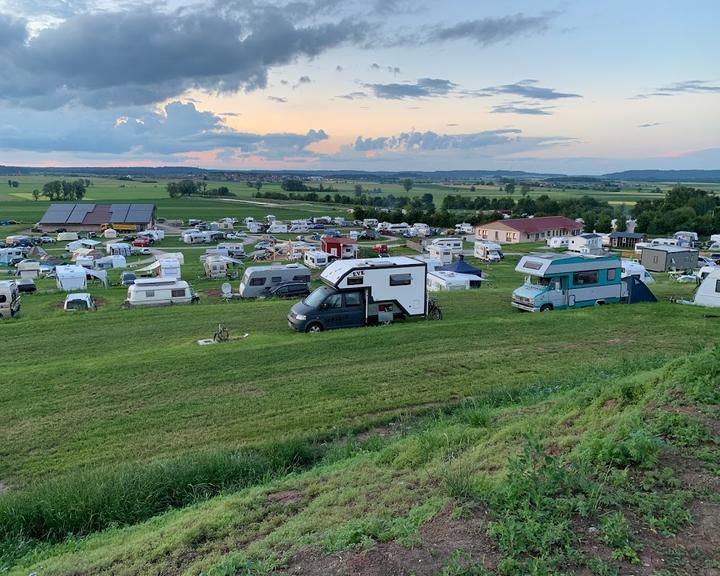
x: 85, y: 391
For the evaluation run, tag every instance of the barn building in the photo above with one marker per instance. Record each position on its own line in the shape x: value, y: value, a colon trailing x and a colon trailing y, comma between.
x: 87, y: 217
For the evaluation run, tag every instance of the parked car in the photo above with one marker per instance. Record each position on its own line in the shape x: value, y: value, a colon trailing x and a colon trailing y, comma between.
x: 317, y: 226
x: 236, y: 235
x: 128, y: 278
x: 289, y: 290
x: 706, y: 261
x: 369, y: 234
x: 47, y: 240
x: 26, y: 285
x: 79, y: 301
x: 142, y: 250
x: 262, y: 245
x: 333, y: 233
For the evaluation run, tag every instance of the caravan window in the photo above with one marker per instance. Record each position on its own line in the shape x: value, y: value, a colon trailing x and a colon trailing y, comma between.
x: 276, y: 279
x: 355, y: 280
x: 400, y: 279
x: 717, y: 286
x: 257, y: 281
x: 611, y: 273
x: 301, y: 278
x: 585, y: 277
x: 178, y: 293
x: 353, y: 299
x: 3, y: 298
x: 149, y: 293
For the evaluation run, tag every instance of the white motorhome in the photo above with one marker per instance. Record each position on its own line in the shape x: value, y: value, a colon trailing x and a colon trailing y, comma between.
x: 277, y: 228
x: 9, y: 299
x: 394, y: 229
x: 370, y: 222
x: 361, y: 292
x: 316, y: 258
x: 231, y: 249
x: 422, y: 229
x: 159, y: 292
x: 558, y: 242
x: 455, y: 244
x: 259, y: 280
x: 488, y: 251
x: 464, y: 228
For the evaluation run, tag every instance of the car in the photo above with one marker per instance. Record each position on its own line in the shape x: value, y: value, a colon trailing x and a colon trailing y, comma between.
x: 142, y: 250
x: 79, y: 301
x: 369, y: 235
x: 317, y: 226
x: 706, y: 261
x: 127, y: 278
x: 47, y: 240
x: 289, y: 290
x: 262, y: 245
x: 236, y: 235
x: 25, y: 285
x: 60, y: 230
x: 715, y: 257
x: 333, y: 233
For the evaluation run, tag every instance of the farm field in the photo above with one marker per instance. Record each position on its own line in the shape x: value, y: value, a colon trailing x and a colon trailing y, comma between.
x: 126, y: 448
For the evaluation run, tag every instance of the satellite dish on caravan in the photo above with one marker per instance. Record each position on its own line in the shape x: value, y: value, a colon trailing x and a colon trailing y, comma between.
x: 226, y: 290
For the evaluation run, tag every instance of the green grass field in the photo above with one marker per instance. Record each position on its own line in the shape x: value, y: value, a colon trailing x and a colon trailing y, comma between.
x: 280, y: 451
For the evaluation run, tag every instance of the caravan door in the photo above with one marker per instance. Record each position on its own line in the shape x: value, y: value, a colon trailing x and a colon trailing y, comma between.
x: 558, y: 295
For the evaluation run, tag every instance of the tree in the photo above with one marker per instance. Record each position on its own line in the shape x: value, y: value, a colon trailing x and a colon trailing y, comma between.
x: 621, y: 224
x: 36, y: 194
x: 510, y: 188
x: 358, y: 189
x: 258, y: 185
x: 524, y: 189
x: 407, y: 184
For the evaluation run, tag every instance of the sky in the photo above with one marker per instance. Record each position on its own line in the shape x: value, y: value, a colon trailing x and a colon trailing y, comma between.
x: 576, y: 87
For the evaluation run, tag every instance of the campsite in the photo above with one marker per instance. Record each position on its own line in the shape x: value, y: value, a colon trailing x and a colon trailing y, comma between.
x: 286, y: 438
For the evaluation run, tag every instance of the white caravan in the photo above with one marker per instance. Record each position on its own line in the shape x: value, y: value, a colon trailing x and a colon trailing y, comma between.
x: 444, y: 280
x: 361, y: 292
x: 7, y: 255
x: 558, y: 242
x: 259, y: 280
x: 439, y: 252
x: 464, y: 228
x: 370, y: 222
x: 422, y: 229
x: 9, y: 299
x: 488, y: 251
x: 231, y: 249
x: 708, y: 293
x: 159, y: 292
x: 632, y: 268
x: 316, y: 258
x: 455, y: 244
x: 277, y: 228
x: 118, y: 249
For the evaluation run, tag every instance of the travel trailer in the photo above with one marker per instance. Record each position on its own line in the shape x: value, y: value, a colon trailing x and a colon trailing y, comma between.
x: 554, y: 281
x: 163, y: 267
x: 299, y: 228
x: 686, y: 238
x: 67, y: 236
x: 216, y: 267
x: 455, y: 244
x: 29, y: 269
x: 370, y: 222
x: 9, y: 299
x: 422, y: 229
x: 259, y: 280
x: 464, y: 228
x: 440, y: 252
x: 115, y: 261
x: 316, y: 258
x: 708, y: 293
x: 488, y: 251
x: 7, y: 255
x: 231, y: 249
x: 631, y: 268
x: 277, y: 228
x: 362, y: 292
x: 159, y: 292
x: 444, y: 280
x: 393, y: 229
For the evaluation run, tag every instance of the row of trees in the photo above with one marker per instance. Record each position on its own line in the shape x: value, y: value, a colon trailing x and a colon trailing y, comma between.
x: 63, y: 190
x: 682, y: 208
x: 13, y: 183
x: 297, y: 185
x: 193, y: 188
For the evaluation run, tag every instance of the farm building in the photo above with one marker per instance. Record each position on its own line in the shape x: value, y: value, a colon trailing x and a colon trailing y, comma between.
x: 97, y: 217
x: 516, y: 230
x: 626, y: 239
x: 665, y: 258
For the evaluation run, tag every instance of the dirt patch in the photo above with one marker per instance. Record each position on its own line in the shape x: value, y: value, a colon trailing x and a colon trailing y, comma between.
x: 439, y: 538
x: 286, y: 497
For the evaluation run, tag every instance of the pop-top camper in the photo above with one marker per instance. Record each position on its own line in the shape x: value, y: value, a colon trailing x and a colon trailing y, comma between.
x: 361, y: 292
x: 555, y: 281
x: 9, y: 299
x: 259, y: 280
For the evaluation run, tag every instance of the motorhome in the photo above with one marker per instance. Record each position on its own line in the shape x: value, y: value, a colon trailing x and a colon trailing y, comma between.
x: 488, y: 251
x: 554, y: 281
x: 440, y: 252
x: 159, y: 292
x: 464, y: 228
x: 362, y: 292
x: 258, y: 280
x: 316, y: 258
x: 9, y: 299
x: 277, y: 228
x: 422, y: 229
x: 231, y: 249
x: 393, y: 229
x: 370, y: 222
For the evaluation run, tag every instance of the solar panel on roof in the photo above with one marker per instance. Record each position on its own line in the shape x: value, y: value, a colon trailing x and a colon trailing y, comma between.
x: 57, y: 214
x: 119, y: 212
x: 77, y: 216
x: 139, y: 213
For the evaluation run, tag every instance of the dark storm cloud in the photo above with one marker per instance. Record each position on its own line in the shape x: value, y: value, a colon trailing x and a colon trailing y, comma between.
x: 486, y: 31
x: 178, y: 129
x: 145, y: 56
x: 526, y: 89
x: 423, y: 88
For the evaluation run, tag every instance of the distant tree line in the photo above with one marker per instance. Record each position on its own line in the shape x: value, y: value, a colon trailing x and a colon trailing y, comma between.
x: 297, y: 185
x: 193, y: 188
x: 13, y: 183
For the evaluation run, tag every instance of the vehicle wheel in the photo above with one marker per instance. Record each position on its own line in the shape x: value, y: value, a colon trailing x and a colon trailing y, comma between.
x: 435, y: 314
x: 600, y: 302
x: 546, y: 308
x: 314, y: 327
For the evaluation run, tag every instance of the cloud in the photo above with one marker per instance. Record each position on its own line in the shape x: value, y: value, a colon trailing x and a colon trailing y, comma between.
x: 423, y: 88
x: 375, y: 66
x: 178, y: 128
x: 525, y: 88
x: 515, y: 108
x: 142, y: 55
x: 302, y: 80
x: 393, y: 69
x: 277, y: 99
x: 649, y: 124
x: 338, y: 68
x: 354, y: 96
x: 487, y: 31
x: 686, y: 87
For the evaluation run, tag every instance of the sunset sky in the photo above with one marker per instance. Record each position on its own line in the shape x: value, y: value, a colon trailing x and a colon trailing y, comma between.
x: 568, y: 86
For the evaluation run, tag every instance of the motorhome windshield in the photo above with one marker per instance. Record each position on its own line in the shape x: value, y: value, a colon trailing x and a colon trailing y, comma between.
x: 538, y: 280
x: 318, y: 296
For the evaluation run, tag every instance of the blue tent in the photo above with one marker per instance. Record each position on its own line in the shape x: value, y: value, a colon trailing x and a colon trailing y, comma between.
x: 462, y: 267
x: 637, y: 291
